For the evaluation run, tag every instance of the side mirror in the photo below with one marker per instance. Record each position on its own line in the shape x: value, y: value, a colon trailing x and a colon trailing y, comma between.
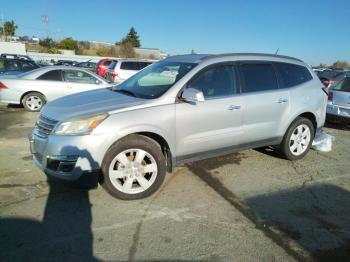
x: 192, y: 95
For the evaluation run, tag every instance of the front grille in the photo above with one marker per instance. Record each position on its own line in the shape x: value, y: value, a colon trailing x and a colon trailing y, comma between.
x: 44, y: 126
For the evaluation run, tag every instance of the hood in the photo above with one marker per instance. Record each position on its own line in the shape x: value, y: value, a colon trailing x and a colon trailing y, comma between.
x: 90, y: 102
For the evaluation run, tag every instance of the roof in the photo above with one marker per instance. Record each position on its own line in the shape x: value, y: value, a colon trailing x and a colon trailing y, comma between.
x: 197, y: 58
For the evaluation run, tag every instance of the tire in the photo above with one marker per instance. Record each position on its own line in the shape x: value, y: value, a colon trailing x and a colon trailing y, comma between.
x: 124, y: 173
x: 296, y: 147
x: 33, y: 102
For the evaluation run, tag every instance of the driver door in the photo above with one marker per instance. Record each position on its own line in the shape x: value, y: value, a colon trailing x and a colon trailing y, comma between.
x: 214, y: 124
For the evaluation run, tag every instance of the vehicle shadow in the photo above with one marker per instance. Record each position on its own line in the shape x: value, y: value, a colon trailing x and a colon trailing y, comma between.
x: 339, y: 125
x: 310, y: 223
x: 64, y: 234
x: 316, y: 218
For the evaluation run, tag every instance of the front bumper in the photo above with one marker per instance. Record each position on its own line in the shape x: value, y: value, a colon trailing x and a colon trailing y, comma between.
x: 68, y: 157
x: 338, y: 111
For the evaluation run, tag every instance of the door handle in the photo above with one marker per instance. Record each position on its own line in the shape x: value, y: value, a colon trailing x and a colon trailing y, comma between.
x: 282, y: 100
x: 233, y: 107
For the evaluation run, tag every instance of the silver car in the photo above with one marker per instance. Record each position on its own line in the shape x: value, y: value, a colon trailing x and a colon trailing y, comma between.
x: 338, y: 106
x: 33, y: 89
x: 180, y: 109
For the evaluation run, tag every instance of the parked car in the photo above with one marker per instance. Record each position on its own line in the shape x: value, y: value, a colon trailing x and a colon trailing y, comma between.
x: 102, y: 66
x: 11, y: 64
x: 33, y: 89
x: 65, y: 63
x: 340, y: 76
x: 338, y: 106
x: 121, y: 69
x: 88, y: 65
x: 178, y: 110
x: 327, y: 76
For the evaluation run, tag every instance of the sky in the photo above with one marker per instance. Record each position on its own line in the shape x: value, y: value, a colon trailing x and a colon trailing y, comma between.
x: 314, y: 31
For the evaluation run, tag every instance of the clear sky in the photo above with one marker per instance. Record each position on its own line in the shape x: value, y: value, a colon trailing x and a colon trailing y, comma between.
x: 315, y: 31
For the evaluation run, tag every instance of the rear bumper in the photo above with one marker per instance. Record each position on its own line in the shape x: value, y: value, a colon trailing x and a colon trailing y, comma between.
x: 337, y: 111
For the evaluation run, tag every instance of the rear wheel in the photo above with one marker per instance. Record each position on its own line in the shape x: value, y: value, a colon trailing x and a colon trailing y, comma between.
x: 133, y: 168
x: 298, y: 139
x: 33, y: 101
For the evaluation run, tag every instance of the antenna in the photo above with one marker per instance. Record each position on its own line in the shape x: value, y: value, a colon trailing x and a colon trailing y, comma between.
x: 45, y: 20
x: 278, y: 49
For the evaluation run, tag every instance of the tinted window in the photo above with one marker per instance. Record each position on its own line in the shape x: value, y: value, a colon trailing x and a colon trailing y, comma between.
x: 259, y: 77
x: 54, y: 75
x: 76, y: 76
x: 293, y: 75
x: 129, y: 66
x: 107, y: 63
x: 13, y: 65
x: 112, y: 65
x: 217, y: 81
x: 27, y: 66
x: 142, y: 65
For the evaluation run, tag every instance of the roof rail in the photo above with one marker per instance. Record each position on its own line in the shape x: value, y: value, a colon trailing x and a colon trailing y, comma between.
x: 248, y: 54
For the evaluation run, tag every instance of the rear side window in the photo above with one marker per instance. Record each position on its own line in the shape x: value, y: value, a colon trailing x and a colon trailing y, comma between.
x: 54, y: 75
x: 293, y: 75
x: 129, y: 66
x: 27, y: 66
x: 107, y: 63
x: 112, y: 65
x: 258, y: 77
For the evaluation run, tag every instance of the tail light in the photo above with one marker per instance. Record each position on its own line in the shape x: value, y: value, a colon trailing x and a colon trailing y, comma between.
x: 113, y: 74
x: 2, y: 86
x: 330, y: 96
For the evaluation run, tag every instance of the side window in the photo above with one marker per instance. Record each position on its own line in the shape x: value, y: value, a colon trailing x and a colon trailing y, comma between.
x: 76, y: 76
x: 129, y: 66
x: 142, y: 65
x: 258, y: 77
x: 13, y: 65
x: 54, y: 75
x: 107, y: 63
x: 2, y: 65
x: 218, y: 81
x: 293, y: 75
x: 26, y: 66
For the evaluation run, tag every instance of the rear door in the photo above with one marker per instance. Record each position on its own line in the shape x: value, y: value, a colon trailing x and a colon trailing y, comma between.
x: 264, y: 104
x: 50, y: 84
x: 341, y: 93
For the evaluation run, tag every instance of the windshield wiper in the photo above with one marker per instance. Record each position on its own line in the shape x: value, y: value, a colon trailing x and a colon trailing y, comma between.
x: 124, y: 91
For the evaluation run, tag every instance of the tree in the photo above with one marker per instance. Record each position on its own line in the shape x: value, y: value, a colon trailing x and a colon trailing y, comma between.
x: 68, y: 43
x: 10, y: 28
x: 47, y: 42
x: 340, y: 64
x: 132, y: 38
x: 127, y: 50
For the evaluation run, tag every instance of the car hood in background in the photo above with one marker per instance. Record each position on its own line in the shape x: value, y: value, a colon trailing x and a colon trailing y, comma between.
x: 90, y: 102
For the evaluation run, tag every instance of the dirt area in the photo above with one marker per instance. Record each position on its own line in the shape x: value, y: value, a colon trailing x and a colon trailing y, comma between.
x: 251, y: 206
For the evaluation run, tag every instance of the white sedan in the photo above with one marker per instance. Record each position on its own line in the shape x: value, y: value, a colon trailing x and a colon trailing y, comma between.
x: 33, y: 89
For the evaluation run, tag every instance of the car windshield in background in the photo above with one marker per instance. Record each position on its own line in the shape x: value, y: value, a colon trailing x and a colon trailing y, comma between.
x: 155, y: 80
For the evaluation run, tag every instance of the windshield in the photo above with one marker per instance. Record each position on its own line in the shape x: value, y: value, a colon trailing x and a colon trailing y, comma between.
x: 155, y: 79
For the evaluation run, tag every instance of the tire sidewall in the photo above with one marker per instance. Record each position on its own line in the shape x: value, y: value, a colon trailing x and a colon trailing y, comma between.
x: 42, y: 98
x: 133, y: 142
x: 285, y: 143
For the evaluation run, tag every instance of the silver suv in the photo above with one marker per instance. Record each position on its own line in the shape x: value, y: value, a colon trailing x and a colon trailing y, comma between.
x: 180, y: 109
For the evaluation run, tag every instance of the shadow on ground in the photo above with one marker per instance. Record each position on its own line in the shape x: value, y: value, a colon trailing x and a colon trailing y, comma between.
x: 309, y: 223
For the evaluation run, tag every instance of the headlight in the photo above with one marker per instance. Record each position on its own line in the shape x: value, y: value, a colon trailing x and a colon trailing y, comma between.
x: 79, y: 126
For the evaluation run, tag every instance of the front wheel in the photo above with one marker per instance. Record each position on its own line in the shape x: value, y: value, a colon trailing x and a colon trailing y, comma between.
x: 133, y: 168
x: 298, y: 139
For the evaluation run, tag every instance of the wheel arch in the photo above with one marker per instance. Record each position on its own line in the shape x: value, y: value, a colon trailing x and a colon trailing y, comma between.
x: 28, y: 92
x: 305, y: 114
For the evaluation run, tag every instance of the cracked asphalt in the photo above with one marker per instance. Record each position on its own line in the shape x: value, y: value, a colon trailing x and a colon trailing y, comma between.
x: 251, y: 206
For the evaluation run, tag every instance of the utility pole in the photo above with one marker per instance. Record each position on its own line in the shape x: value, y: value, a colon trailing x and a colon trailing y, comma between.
x: 45, y: 20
